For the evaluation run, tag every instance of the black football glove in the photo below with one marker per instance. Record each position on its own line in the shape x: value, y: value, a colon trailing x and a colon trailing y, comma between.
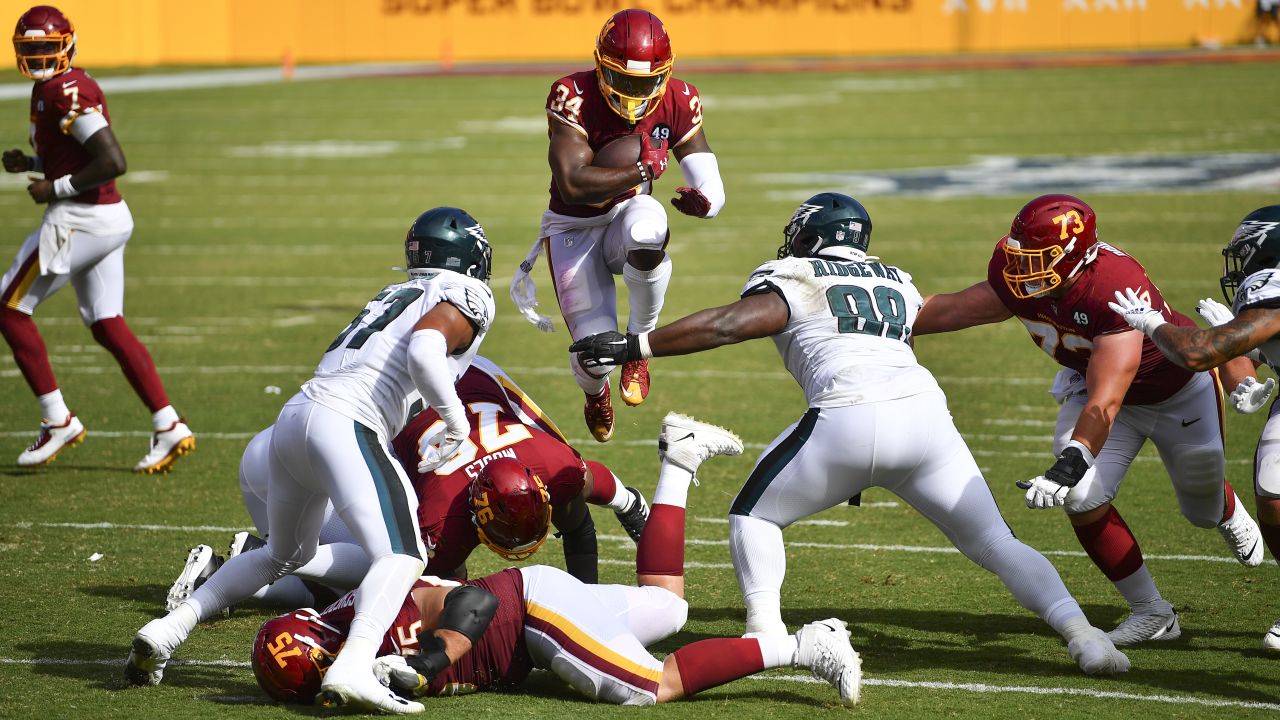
x: 607, y: 349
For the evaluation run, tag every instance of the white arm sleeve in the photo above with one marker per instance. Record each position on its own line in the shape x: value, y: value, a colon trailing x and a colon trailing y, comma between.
x: 702, y: 171
x: 429, y: 368
x: 85, y: 125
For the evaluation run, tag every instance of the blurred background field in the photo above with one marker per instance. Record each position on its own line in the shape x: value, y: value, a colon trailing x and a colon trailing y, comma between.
x: 268, y: 213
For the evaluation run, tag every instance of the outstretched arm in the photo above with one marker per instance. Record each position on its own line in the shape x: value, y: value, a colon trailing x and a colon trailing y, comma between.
x: 977, y: 304
x: 1197, y: 349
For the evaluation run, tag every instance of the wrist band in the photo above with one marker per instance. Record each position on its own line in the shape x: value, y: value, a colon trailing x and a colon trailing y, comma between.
x: 643, y: 341
x: 644, y: 171
x: 37, y: 165
x: 1084, y: 451
x: 63, y: 189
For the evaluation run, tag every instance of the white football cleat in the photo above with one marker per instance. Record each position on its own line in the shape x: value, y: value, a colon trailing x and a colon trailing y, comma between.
x: 243, y: 542
x: 1243, y: 536
x: 363, y: 693
x: 152, y: 647
x: 1271, y: 640
x: 825, y: 650
x: 166, y: 447
x: 201, y: 564
x: 1159, y: 621
x: 687, y: 443
x: 52, y: 440
x: 1097, y: 655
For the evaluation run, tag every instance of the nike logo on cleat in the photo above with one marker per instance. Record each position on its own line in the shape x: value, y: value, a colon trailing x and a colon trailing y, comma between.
x: 1188, y: 423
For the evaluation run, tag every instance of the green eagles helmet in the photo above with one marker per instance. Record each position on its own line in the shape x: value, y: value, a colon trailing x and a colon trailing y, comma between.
x: 1254, y: 246
x: 827, y: 224
x: 446, y: 238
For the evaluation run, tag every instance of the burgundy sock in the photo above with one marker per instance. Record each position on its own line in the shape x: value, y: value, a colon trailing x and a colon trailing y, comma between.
x: 114, y: 335
x: 1111, y: 546
x: 708, y: 663
x: 29, y: 352
x: 661, y: 549
x: 603, y: 484
x: 1228, y: 502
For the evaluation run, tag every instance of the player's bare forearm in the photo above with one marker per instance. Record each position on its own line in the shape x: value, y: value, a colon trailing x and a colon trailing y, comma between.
x: 1201, y: 349
x: 1094, y: 425
x: 977, y: 304
x: 754, y: 316
x: 1112, y: 368
x: 1234, y: 371
x: 577, y: 180
x: 455, y: 643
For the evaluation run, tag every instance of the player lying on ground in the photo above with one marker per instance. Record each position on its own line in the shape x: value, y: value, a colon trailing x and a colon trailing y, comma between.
x: 459, y: 506
x: 876, y: 418
x: 1116, y: 391
x: 591, y: 636
x: 1251, y: 284
x: 331, y: 442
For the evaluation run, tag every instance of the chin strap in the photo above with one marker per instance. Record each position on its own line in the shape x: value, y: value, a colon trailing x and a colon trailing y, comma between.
x: 524, y: 293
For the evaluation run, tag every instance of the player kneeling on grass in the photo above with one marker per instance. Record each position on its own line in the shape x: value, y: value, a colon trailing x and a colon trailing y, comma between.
x: 1251, y: 284
x: 460, y: 504
x: 876, y: 418
x: 489, y: 633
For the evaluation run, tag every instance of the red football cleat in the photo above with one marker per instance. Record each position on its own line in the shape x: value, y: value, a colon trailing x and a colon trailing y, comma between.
x: 634, y: 382
x: 598, y: 413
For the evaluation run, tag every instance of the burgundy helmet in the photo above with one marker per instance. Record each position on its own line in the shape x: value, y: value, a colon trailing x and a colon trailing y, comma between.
x: 44, y: 42
x: 633, y: 63
x: 1052, y: 239
x: 292, y: 653
x: 511, y: 508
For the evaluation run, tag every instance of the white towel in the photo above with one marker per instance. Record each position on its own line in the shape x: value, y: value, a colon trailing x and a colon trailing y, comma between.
x: 524, y: 292
x: 55, y: 249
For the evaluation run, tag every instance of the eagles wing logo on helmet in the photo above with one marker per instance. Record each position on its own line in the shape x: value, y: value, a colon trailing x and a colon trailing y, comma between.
x: 801, y: 216
x: 477, y: 232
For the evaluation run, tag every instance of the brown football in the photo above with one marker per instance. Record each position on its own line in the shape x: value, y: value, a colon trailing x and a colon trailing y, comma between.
x: 622, y: 152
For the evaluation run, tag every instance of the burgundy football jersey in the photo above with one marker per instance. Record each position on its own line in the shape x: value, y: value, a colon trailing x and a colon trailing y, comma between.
x: 444, y: 514
x: 576, y: 101
x: 1065, y: 328
x: 55, y: 104
x: 499, y: 659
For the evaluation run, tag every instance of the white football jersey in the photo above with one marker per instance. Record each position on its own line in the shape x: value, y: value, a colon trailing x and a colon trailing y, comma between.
x: 1261, y: 290
x: 846, y: 341
x: 364, y: 373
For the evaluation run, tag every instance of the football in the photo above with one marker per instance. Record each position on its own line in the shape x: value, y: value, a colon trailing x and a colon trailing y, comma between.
x: 621, y: 152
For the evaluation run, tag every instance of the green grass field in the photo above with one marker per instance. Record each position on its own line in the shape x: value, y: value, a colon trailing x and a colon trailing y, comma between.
x: 266, y: 215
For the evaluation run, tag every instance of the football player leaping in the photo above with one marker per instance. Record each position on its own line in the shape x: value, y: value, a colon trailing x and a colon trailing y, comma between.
x: 842, y: 324
x: 1116, y: 391
x: 602, y: 221
x: 331, y: 442
x: 80, y: 240
x: 461, y: 504
x: 490, y: 632
x: 1251, y: 284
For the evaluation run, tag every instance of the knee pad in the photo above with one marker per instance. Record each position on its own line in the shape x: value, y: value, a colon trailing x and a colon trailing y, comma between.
x: 1198, y: 473
x: 645, y: 224
x: 1266, y: 481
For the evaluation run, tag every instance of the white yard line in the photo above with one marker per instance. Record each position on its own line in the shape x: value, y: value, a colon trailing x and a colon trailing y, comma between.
x: 980, y: 688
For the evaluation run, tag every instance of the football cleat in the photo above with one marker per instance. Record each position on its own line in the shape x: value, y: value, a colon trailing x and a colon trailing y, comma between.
x: 598, y: 413
x: 1271, y: 640
x: 1243, y: 536
x: 201, y: 564
x: 52, y: 440
x: 1158, y: 621
x: 149, y: 654
x: 243, y: 542
x: 636, y: 516
x: 363, y: 693
x: 1097, y: 655
x: 633, y: 383
x: 825, y: 650
x: 166, y: 447
x: 687, y: 443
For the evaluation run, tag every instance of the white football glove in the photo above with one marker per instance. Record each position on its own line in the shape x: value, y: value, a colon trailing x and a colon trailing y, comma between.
x: 1137, y: 312
x: 1214, y: 312
x: 1044, y: 493
x: 1250, y: 395
x: 394, y: 672
x: 441, y: 448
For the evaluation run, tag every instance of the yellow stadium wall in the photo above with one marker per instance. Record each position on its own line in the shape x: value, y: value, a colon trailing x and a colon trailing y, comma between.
x: 153, y: 32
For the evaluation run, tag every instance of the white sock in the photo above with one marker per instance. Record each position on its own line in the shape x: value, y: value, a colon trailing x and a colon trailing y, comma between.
x: 236, y: 581
x: 53, y: 408
x: 338, y: 565
x: 648, y: 289
x: 760, y: 563
x: 1139, y: 588
x: 673, y: 486
x: 377, y: 601
x: 164, y: 418
x: 590, y: 383
x: 778, y: 650
x: 1074, y: 628
x: 289, y: 592
x: 1032, y: 580
x: 622, y: 498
